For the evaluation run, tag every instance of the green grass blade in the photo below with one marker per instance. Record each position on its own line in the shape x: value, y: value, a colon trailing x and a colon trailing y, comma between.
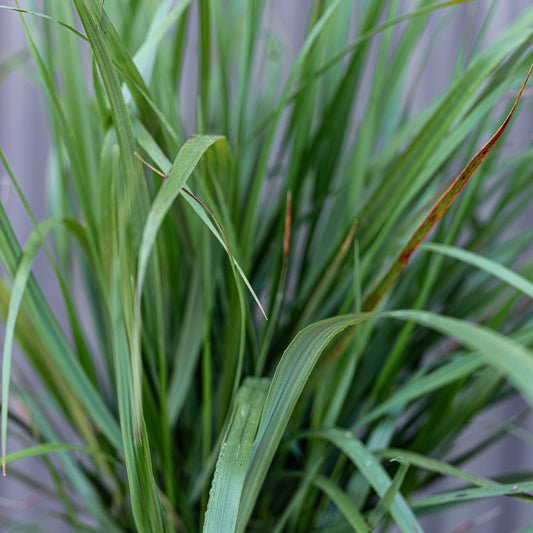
x: 491, y: 267
x: 303, y: 353
x: 344, y: 503
x: 184, y: 165
x: 147, y: 142
x: 145, y: 502
x: 421, y: 385
x: 434, y: 465
x: 46, y: 17
x: 81, y: 180
x: 188, y: 350
x: 228, y: 481
x: 51, y: 447
x: 383, y: 507
x: 465, y: 495
x: 163, y: 20
x: 250, y: 219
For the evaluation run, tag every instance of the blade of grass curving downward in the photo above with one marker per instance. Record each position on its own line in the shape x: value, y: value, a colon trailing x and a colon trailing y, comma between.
x: 230, y: 470
x: 184, y: 165
x: 437, y: 211
x: 146, y: 141
x: 492, y: 267
x: 434, y: 465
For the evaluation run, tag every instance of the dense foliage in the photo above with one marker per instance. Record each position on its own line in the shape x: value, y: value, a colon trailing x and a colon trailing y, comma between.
x: 300, y: 189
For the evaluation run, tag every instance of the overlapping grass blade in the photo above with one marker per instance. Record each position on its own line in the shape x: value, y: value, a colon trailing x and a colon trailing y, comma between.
x: 422, y: 385
x: 53, y: 339
x: 384, y: 505
x: 303, y: 353
x: 182, y: 168
x: 145, y: 499
x: 250, y: 219
x: 517, y: 364
x: 373, y: 472
x: 81, y: 181
x: 288, y: 383
x: 344, y: 503
x: 165, y: 18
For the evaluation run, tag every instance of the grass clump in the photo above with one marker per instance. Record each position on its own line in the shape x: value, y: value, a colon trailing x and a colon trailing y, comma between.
x: 192, y: 206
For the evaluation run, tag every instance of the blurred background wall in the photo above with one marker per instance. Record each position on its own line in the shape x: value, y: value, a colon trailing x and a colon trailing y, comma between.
x: 25, y: 142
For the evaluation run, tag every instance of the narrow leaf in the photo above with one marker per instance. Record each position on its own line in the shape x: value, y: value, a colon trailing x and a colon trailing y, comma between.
x: 492, y: 267
x: 344, y: 503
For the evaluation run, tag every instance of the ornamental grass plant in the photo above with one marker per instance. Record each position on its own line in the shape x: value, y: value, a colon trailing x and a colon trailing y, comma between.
x: 206, y: 175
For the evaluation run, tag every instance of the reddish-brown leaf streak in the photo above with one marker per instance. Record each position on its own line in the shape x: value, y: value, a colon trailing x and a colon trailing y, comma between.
x: 436, y: 212
x: 287, y: 229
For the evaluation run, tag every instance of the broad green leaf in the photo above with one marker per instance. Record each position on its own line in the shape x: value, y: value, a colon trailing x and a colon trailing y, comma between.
x: 228, y: 481
x: 291, y: 376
